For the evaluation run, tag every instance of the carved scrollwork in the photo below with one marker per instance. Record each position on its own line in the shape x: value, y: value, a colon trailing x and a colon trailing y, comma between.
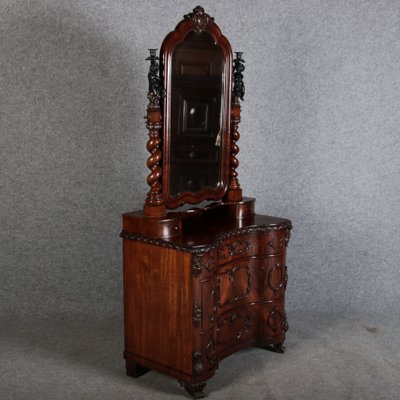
x: 232, y: 321
x: 234, y: 249
x: 277, y: 245
x: 198, y: 264
x: 199, y: 18
x: 275, y: 283
x: 197, y: 364
x: 233, y: 295
x: 214, y: 293
x: 274, y: 320
x: 211, y: 352
x: 196, y: 313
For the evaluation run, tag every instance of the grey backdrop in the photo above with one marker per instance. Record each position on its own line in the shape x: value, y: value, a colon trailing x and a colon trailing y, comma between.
x: 319, y: 145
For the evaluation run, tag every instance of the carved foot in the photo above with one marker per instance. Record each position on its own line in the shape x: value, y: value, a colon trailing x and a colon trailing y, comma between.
x: 194, y: 389
x: 134, y: 369
x: 276, y: 348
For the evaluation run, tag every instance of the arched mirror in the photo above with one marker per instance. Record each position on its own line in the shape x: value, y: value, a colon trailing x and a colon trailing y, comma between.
x: 196, y: 64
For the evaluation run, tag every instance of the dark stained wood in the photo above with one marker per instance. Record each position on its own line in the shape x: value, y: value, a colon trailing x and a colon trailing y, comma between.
x: 134, y: 369
x: 154, y: 205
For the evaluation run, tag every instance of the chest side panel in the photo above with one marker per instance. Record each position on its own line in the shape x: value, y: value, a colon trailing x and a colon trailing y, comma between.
x: 158, y: 298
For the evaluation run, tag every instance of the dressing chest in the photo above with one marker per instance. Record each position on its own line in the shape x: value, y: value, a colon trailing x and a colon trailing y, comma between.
x: 204, y: 275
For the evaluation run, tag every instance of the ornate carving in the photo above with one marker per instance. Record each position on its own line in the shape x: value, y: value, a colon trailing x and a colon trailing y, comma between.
x: 154, y: 204
x: 234, y: 297
x: 234, y: 190
x: 155, y: 87
x: 194, y: 389
x: 234, y: 249
x: 211, y: 351
x: 214, y: 293
x: 201, y: 251
x: 238, y: 68
x: 196, y: 313
x: 197, y: 364
x: 285, y: 325
x: 274, y: 320
x: 198, y: 264
x: 199, y: 18
x: 282, y: 282
x: 278, y: 244
x: 232, y: 321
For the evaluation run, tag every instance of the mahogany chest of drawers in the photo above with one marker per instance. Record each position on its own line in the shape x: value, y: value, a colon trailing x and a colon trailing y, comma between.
x: 216, y: 286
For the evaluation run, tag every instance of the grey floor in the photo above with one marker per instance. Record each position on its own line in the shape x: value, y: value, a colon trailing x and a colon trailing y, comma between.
x: 328, y: 357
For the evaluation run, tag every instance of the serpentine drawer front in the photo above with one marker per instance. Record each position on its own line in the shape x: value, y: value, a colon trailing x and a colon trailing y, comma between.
x: 242, y: 294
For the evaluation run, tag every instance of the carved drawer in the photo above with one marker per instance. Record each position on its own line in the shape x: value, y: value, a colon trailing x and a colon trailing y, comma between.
x: 245, y: 281
x: 233, y: 284
x: 238, y: 283
x: 231, y: 330
x: 237, y: 326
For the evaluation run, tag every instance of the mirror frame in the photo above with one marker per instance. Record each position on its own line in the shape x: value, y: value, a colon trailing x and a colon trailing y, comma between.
x: 197, y: 21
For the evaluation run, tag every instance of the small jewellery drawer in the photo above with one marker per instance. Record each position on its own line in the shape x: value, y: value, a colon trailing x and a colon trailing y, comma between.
x: 257, y: 243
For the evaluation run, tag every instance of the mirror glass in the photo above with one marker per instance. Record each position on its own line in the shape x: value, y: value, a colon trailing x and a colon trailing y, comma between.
x: 196, y: 117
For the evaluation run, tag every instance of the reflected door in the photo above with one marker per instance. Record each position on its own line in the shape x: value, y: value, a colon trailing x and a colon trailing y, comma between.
x: 196, y: 90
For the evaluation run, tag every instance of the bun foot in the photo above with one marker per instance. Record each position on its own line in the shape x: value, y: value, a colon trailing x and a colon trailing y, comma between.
x: 194, y: 389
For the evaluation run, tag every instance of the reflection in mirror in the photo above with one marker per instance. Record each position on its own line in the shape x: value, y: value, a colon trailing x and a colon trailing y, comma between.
x: 196, y: 93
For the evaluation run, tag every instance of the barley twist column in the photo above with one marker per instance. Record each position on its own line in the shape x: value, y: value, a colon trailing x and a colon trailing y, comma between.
x: 154, y: 205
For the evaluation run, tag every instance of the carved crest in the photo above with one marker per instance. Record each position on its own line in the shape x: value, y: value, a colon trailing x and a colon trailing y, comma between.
x: 199, y: 18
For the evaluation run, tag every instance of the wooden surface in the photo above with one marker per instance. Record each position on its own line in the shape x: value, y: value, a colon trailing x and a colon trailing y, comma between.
x: 200, y: 283
x: 194, y: 298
